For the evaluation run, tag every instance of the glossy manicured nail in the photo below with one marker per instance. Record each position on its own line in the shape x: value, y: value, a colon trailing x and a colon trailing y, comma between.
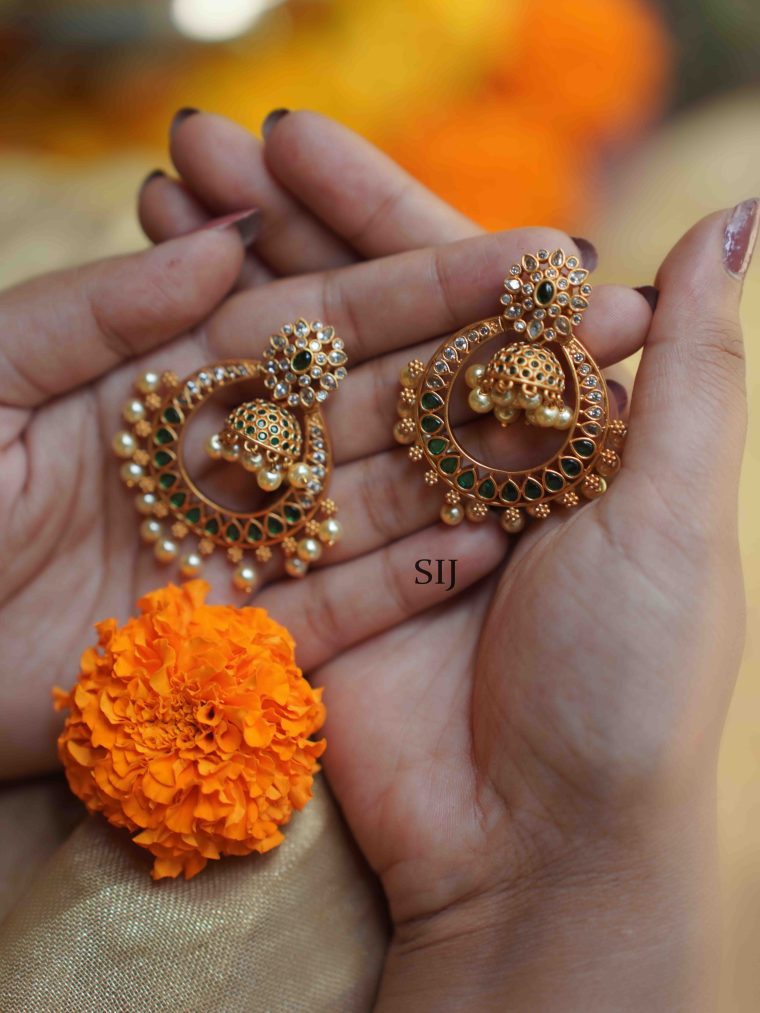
x: 740, y: 236
x: 587, y: 250
x: 651, y: 294
x: 179, y: 118
x: 620, y: 394
x: 271, y: 121
x: 247, y: 224
x: 156, y: 174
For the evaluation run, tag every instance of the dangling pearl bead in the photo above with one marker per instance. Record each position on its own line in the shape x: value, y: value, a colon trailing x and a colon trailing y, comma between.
x: 564, y: 418
x: 299, y: 475
x: 296, y: 567
x: 479, y: 402
x: 214, y: 447
x: 309, y: 550
x: 406, y: 377
x: 230, y: 452
x: 145, y: 503
x: 505, y: 415
x: 452, y: 513
x: 546, y: 415
x: 330, y: 531
x: 512, y: 523
x: 124, y: 444
x: 529, y: 400
x: 474, y: 375
x: 150, y: 530
x: 402, y: 434
x: 503, y: 398
x: 165, y: 550
x: 147, y: 382
x: 133, y: 410
x: 191, y: 564
x: 269, y: 479
x: 245, y: 577
x: 252, y: 462
x: 131, y: 473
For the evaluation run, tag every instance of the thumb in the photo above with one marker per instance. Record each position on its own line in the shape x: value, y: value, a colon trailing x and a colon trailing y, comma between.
x: 65, y: 329
x: 688, y: 410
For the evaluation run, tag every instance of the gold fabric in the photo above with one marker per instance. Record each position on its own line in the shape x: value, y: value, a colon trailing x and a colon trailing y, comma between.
x: 302, y: 928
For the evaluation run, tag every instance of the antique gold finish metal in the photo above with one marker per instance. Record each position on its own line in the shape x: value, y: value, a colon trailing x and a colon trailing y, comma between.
x: 545, y: 297
x: 281, y: 438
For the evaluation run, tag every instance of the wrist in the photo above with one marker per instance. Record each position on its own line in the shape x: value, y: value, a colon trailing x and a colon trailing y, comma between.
x: 621, y: 921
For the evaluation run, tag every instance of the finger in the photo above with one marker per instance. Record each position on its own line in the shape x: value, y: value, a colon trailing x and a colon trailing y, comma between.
x: 166, y: 209
x: 688, y: 412
x: 355, y: 189
x: 224, y: 166
x: 384, y: 305
x: 65, y: 329
x: 362, y: 598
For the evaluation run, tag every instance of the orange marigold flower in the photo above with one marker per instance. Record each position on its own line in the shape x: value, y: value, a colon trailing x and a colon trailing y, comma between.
x: 190, y: 726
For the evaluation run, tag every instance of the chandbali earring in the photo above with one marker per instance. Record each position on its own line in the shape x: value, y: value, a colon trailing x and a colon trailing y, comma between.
x: 281, y: 439
x: 524, y: 380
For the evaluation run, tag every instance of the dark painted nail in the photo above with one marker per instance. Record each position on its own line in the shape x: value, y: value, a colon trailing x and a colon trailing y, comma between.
x: 740, y: 236
x: 179, y: 118
x: 247, y: 224
x: 587, y: 250
x: 156, y: 174
x: 271, y: 121
x: 620, y: 394
x: 651, y: 294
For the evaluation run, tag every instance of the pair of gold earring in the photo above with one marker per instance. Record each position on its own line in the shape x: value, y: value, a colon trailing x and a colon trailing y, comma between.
x: 281, y: 436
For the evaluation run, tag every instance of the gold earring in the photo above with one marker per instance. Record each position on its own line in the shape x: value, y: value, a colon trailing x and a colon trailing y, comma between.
x: 545, y: 297
x: 280, y: 438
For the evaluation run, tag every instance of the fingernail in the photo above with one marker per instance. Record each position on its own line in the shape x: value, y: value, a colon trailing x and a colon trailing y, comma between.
x: 587, y: 250
x: 247, y: 224
x: 271, y: 121
x: 179, y: 118
x: 651, y: 294
x: 739, y: 237
x: 620, y: 394
x: 156, y: 174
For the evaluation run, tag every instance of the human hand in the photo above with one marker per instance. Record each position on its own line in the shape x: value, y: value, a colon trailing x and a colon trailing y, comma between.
x: 530, y: 767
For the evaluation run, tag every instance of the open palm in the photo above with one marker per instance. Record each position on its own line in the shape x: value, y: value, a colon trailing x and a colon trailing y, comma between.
x: 471, y: 733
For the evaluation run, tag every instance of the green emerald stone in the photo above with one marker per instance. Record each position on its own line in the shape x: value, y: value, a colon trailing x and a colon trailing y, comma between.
x: 164, y: 436
x: 430, y: 424
x: 553, y: 481
x: 274, y: 525
x: 436, y: 446
x: 487, y: 489
x: 250, y: 431
x: 532, y: 489
x: 466, y: 480
x: 301, y: 361
x: 255, y: 534
x: 571, y: 466
x: 232, y: 533
x: 583, y: 448
x: 178, y: 500
x: 449, y: 465
x: 193, y: 515
x: 431, y: 400
x: 212, y: 527
x: 510, y: 493
x: 545, y: 293
x: 162, y: 458
x: 171, y: 415
x: 292, y: 513
x: 167, y: 481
